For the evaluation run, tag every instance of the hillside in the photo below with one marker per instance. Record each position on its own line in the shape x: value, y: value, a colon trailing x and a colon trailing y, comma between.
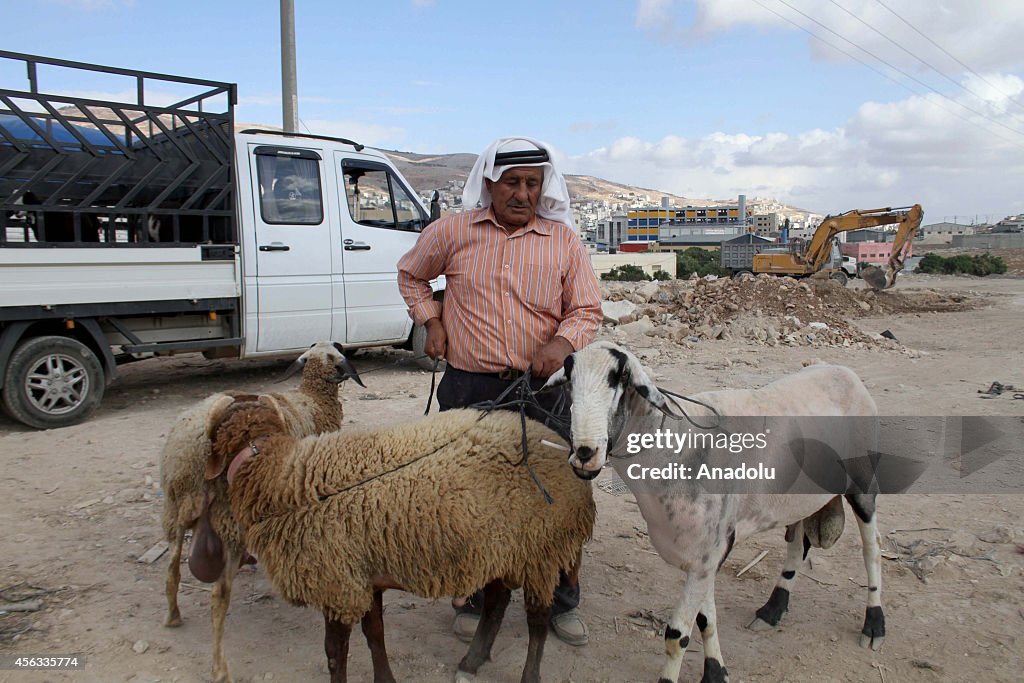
x: 434, y: 171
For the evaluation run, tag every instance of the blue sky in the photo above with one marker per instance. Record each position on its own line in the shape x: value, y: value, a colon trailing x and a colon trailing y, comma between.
x: 702, y: 98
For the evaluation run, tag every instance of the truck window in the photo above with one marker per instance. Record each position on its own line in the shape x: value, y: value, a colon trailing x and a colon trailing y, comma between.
x: 289, y: 190
x: 376, y: 199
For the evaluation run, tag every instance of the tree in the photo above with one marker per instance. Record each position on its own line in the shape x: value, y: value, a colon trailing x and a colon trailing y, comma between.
x: 627, y: 273
x: 700, y: 261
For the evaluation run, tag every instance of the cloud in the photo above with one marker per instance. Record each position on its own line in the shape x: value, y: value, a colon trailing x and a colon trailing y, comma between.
x: 959, y: 26
x: 370, y: 134
x: 886, y: 154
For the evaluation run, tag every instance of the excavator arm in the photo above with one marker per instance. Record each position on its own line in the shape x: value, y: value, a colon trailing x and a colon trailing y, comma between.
x: 909, y: 219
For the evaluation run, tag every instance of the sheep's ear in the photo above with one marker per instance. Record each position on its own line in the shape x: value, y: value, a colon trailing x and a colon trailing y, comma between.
x: 216, y: 412
x: 271, y: 402
x: 642, y: 383
x: 557, y: 379
x: 217, y: 461
x: 299, y: 363
x: 350, y: 371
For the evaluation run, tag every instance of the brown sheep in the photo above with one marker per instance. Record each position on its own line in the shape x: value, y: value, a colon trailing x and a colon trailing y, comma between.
x: 190, y: 502
x: 438, y: 507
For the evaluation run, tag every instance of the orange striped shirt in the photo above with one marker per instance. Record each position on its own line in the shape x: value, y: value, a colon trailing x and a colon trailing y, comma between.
x: 506, y: 295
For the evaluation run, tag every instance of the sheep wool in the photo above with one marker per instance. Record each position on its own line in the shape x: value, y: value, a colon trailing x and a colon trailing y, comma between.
x: 454, y: 511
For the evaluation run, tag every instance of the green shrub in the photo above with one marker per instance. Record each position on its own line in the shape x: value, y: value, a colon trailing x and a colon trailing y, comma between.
x: 700, y: 261
x: 981, y: 265
x: 662, y: 275
x: 627, y: 273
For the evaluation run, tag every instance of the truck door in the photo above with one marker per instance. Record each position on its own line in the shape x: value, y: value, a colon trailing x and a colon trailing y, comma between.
x: 381, y: 219
x: 293, y: 248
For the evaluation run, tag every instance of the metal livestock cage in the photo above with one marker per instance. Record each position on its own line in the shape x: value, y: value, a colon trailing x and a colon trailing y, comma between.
x: 84, y: 171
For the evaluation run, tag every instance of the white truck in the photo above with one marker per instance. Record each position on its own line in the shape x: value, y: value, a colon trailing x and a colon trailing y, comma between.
x: 133, y: 230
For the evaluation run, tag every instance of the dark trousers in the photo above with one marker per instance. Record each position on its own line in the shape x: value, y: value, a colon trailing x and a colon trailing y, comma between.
x: 460, y: 389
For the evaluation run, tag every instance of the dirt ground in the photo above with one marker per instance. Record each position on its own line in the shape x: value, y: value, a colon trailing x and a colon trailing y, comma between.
x: 80, y: 506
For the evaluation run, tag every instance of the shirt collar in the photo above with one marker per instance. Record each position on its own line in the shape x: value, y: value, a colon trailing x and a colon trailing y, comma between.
x: 536, y: 224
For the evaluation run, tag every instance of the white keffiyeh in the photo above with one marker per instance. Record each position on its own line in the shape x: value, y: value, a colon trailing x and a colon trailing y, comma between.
x: 554, y: 196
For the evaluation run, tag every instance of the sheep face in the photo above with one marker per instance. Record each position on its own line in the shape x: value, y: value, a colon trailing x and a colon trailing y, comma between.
x: 603, y: 378
x: 324, y: 360
x: 233, y: 423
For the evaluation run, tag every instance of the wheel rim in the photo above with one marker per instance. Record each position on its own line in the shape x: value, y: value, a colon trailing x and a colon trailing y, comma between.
x: 57, y: 384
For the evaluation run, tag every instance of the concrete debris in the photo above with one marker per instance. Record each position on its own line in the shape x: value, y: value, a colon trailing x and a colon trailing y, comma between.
x: 765, y: 309
x: 615, y: 311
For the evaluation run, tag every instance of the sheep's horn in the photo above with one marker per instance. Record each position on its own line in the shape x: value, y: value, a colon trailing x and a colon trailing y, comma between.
x: 292, y: 369
x: 350, y: 371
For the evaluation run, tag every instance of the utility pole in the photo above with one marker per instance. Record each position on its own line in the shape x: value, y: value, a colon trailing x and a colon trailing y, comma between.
x: 289, y: 86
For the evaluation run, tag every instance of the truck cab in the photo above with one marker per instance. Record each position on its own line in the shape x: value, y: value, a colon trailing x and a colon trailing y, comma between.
x: 323, y: 224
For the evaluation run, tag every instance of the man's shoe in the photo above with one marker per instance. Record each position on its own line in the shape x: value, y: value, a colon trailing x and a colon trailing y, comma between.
x: 465, y: 626
x: 570, y: 628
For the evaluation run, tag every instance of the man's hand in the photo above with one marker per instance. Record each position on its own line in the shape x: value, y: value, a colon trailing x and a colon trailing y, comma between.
x: 551, y: 357
x: 436, y: 345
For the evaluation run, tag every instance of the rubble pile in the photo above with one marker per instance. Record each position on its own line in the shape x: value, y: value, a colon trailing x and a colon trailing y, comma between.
x: 765, y: 309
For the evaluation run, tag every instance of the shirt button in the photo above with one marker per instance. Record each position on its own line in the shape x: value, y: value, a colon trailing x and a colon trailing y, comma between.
x: 506, y: 266
x: 509, y: 322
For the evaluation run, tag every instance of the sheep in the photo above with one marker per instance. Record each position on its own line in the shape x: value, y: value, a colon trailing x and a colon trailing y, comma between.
x: 58, y: 226
x: 190, y: 502
x: 437, y: 507
x: 694, y: 529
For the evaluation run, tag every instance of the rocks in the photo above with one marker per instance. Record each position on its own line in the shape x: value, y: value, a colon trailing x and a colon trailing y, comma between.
x: 140, y: 647
x: 767, y: 310
x: 615, y: 311
x: 649, y: 291
x: 640, y: 326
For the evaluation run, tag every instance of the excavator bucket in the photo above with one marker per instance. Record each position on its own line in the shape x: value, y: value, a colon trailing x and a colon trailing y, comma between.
x: 877, y: 278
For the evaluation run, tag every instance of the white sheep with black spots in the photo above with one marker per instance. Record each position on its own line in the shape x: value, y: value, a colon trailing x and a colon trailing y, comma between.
x: 694, y: 529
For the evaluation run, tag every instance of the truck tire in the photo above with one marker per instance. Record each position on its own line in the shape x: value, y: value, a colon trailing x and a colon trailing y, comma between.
x: 840, y: 277
x: 52, y: 382
x: 419, y: 341
x: 743, y: 275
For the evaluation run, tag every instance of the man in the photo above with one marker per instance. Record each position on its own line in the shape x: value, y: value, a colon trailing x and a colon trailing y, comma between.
x: 521, y: 294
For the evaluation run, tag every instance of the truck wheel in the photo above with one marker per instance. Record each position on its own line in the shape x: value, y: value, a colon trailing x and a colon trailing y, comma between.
x: 743, y: 275
x: 419, y: 341
x: 52, y: 382
x: 840, y: 277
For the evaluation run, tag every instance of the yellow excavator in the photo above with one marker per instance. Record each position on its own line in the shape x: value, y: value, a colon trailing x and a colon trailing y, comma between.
x: 815, y: 256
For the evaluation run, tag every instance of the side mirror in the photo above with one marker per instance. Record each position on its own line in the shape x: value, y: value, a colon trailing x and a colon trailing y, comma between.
x: 435, y: 206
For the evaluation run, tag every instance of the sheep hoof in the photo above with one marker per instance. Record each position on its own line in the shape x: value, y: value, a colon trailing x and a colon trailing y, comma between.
x: 172, y: 621
x: 873, y: 642
x: 464, y: 676
x: 759, y: 624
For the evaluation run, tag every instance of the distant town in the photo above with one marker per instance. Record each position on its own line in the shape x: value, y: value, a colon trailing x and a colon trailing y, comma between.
x: 630, y: 221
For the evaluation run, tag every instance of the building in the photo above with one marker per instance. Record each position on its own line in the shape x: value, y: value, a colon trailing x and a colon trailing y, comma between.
x: 871, y: 252
x: 656, y: 224
x: 611, y: 231
x: 649, y: 262
x: 942, y: 233
x: 1010, y: 224
x: 765, y: 224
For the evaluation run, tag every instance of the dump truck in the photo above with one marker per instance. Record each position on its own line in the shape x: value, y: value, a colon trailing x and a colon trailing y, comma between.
x: 134, y: 229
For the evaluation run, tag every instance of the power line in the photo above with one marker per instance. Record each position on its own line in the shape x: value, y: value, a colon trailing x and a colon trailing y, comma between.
x: 886, y: 76
x: 950, y: 55
x: 901, y: 71
x: 897, y: 44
